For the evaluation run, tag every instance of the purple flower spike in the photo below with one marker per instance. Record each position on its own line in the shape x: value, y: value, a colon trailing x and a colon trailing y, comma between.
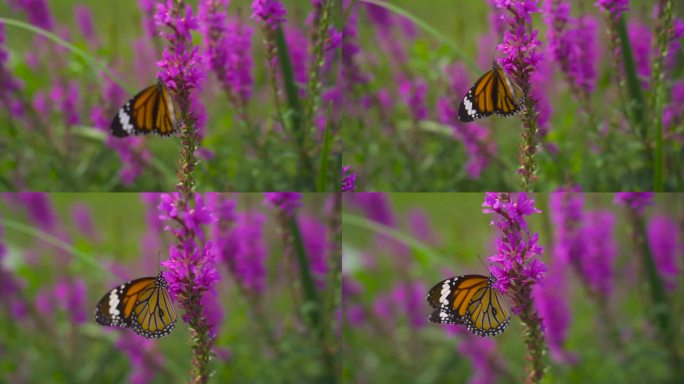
x: 663, y: 240
x: 270, y: 12
x: 614, y: 7
x: 348, y: 179
x: 516, y: 268
x: 636, y: 200
x: 286, y: 202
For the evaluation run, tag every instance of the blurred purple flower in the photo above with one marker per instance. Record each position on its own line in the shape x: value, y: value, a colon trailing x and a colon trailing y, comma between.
x: 520, y: 44
x: 297, y: 43
x: 636, y: 200
x: 243, y: 249
x: 314, y: 236
x: 180, y: 68
x: 350, y: 70
x: 80, y: 214
x: 84, y: 20
x: 270, y: 12
x: 286, y: 202
x: 131, y: 150
x: 572, y: 44
x: 419, y: 222
x: 37, y: 12
x: 65, y: 101
x: 614, y: 7
x: 408, y: 299
x: 672, y: 113
x: 228, y: 49
x: 550, y: 296
x: 516, y: 263
x: 8, y: 83
x: 44, y: 302
x: 71, y: 298
x: 375, y: 205
x: 147, y: 10
x: 213, y: 312
x: 640, y: 39
x: 413, y: 93
x: 348, y: 179
x: 39, y: 208
x: 144, y: 356
x: 480, y: 351
x: 600, y: 251
x: 475, y: 138
x: 663, y: 240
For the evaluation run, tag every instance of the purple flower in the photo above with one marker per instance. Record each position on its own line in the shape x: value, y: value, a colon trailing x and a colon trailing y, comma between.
x: 516, y: 263
x: 37, y: 11
x: 192, y: 268
x: 83, y: 220
x: 480, y: 352
x: 297, y: 43
x: 84, y: 19
x: 228, y: 49
x: 475, y: 138
x: 408, y: 299
x: 180, y: 68
x: 673, y: 111
x: 348, y: 179
x: 286, y: 202
x: 663, y: 240
x: 614, y: 7
x: 147, y: 8
x: 40, y: 210
x: 600, y: 251
x: 413, y: 93
x: 213, y: 312
x: 66, y: 101
x: 316, y: 244
x: 71, y: 298
x: 270, y: 12
x: 636, y: 200
x: 640, y: 38
x: 567, y: 215
x: 419, y: 222
x: 520, y: 44
x: 131, y: 150
x: 243, y: 250
x: 144, y: 356
x: 375, y: 205
x: 192, y: 262
x: 572, y: 44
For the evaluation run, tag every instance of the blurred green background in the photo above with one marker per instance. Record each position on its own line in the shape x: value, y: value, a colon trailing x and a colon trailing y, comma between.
x: 427, y: 237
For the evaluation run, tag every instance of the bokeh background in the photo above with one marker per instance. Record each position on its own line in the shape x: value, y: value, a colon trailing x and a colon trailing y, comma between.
x: 407, y: 80
x: 56, y: 107
x: 60, y: 253
x: 597, y: 302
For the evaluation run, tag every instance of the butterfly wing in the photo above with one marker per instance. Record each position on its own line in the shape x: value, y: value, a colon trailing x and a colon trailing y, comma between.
x: 487, y: 313
x: 469, y: 300
x: 478, y: 102
x: 150, y: 111
x: 154, y: 315
x: 445, y: 317
x: 508, y: 94
x: 115, y: 307
x: 143, y: 305
x: 494, y: 92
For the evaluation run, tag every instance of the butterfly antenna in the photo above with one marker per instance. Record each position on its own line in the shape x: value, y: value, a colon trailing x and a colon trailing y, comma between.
x: 483, y: 263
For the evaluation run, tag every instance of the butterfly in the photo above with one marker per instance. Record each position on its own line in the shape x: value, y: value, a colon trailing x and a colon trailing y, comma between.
x: 471, y: 301
x: 494, y: 92
x: 144, y: 305
x: 150, y: 111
